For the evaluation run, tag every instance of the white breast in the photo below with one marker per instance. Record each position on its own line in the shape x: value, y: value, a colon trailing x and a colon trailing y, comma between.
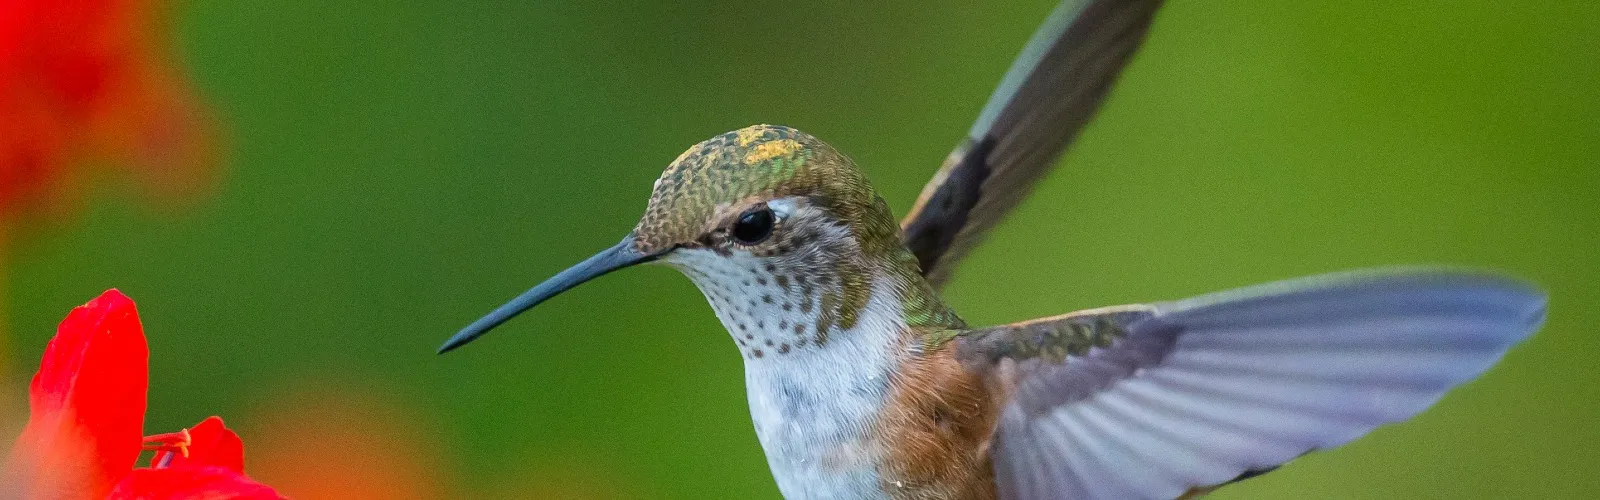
x: 813, y: 406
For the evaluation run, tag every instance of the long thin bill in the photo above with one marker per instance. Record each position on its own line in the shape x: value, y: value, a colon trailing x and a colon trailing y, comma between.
x: 622, y: 255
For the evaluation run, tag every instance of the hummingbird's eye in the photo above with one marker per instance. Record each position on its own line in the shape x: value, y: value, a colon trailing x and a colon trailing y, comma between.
x: 753, y: 226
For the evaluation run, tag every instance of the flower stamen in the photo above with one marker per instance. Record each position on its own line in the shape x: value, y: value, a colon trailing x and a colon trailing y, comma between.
x: 167, y: 443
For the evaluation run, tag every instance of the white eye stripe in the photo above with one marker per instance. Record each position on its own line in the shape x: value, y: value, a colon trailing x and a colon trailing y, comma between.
x: 782, y: 207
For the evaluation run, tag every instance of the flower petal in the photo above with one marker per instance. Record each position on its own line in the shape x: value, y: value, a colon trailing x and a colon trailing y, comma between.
x: 210, y: 444
x: 86, y: 404
x: 190, y: 483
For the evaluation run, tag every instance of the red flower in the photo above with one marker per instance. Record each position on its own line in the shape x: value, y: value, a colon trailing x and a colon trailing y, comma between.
x: 92, y: 80
x: 86, y: 411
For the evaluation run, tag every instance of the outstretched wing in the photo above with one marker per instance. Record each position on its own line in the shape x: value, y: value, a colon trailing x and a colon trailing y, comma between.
x: 1151, y: 401
x: 1047, y: 96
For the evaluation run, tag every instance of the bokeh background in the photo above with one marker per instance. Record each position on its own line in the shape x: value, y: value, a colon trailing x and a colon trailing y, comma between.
x: 376, y: 174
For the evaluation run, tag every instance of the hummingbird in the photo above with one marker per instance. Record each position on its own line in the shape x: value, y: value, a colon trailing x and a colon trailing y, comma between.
x: 864, y: 383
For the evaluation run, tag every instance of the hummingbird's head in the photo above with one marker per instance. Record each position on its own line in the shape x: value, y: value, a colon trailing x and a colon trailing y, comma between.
x: 781, y: 232
x: 740, y: 192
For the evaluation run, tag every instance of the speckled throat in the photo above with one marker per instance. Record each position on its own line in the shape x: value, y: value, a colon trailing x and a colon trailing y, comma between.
x: 793, y: 293
x: 817, y: 385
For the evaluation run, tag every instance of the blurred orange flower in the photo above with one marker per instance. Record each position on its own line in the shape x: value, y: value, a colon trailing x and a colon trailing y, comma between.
x: 330, y: 437
x: 324, y: 439
x: 90, y: 79
x: 86, y: 409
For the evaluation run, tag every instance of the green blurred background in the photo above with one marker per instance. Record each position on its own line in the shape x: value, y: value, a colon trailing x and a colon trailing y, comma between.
x: 396, y: 169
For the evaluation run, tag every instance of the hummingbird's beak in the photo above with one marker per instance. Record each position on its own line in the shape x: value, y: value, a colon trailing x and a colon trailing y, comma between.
x: 624, y: 254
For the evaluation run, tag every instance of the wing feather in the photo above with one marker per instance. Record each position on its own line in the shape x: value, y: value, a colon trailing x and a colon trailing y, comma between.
x: 1171, y: 397
x: 1047, y: 96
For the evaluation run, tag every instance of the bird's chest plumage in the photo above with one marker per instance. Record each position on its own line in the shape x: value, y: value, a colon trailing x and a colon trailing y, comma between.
x: 816, y: 419
x: 816, y: 387
x: 827, y: 396
x: 816, y: 405
x: 914, y: 425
